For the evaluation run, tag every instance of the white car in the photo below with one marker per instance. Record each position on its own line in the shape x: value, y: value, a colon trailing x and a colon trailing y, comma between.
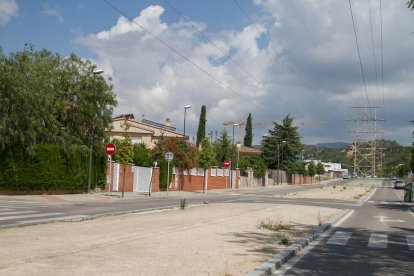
x: 399, y: 184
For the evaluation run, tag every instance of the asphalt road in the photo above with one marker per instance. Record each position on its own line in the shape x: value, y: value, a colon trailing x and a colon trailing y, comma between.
x: 15, y: 212
x: 376, y: 239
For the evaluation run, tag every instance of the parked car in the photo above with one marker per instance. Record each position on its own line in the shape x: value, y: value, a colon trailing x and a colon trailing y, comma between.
x: 393, y: 178
x: 399, y: 184
x: 346, y: 176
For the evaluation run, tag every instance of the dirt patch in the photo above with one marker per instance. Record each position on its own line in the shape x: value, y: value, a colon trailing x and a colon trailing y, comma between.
x: 219, y: 239
x: 353, y: 191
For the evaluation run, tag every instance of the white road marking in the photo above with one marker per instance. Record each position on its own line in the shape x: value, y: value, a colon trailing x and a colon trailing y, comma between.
x: 67, y: 218
x: 378, y: 241
x: 30, y: 216
x: 339, y: 222
x: 384, y: 219
x: 16, y: 213
x: 340, y: 238
x: 372, y: 193
x: 292, y: 262
x: 410, y: 242
x: 398, y: 195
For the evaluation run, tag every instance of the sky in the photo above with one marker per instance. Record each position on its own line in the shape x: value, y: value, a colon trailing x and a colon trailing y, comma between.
x: 314, y: 60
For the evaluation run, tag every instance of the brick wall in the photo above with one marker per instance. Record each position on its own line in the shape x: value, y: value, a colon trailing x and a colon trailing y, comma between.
x: 129, y: 178
x: 195, y: 182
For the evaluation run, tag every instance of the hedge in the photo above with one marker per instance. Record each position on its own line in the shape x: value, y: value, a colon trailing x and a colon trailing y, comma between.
x: 51, y: 168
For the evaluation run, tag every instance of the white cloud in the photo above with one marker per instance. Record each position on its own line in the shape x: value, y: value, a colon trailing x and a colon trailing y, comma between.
x: 310, y: 69
x: 54, y: 12
x: 148, y: 19
x: 8, y: 9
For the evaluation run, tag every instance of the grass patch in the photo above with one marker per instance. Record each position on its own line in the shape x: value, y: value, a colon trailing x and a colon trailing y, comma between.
x: 274, y: 225
x: 183, y: 203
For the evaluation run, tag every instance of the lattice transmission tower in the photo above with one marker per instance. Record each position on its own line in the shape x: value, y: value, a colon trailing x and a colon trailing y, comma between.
x: 367, y: 155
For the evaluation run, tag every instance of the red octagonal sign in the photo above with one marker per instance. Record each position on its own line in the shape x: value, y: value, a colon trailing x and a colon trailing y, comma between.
x: 226, y: 163
x: 110, y: 149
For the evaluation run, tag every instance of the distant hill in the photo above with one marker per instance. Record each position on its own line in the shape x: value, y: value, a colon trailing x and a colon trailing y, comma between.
x: 333, y: 145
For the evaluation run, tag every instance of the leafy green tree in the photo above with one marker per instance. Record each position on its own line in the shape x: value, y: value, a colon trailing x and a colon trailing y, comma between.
x: 206, y: 158
x: 320, y: 170
x: 223, y: 148
x: 142, y: 155
x: 410, y: 4
x: 124, y: 152
x: 201, y: 132
x: 283, y: 141
x: 50, y: 100
x: 311, y: 171
x: 248, y: 138
x: 256, y: 163
x: 185, y: 154
x: 124, y: 149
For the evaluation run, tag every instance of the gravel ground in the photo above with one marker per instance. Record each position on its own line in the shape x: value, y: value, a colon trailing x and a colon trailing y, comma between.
x: 214, y: 239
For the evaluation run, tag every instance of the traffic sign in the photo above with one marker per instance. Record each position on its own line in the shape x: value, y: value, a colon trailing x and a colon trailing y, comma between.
x: 226, y: 163
x: 110, y: 149
x: 169, y: 156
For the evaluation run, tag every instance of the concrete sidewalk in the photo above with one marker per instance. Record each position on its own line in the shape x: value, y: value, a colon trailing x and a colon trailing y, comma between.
x: 115, y: 196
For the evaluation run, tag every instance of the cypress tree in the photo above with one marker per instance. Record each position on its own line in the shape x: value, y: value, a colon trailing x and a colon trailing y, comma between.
x: 201, y: 132
x: 248, y: 138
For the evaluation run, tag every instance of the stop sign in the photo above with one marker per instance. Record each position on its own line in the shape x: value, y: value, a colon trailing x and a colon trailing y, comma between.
x: 110, y: 149
x: 226, y: 163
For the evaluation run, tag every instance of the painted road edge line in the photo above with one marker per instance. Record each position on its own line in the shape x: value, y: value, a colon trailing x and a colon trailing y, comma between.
x: 271, y: 265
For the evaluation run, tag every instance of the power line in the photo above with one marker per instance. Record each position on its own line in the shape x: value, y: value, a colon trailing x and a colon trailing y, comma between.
x: 373, y: 48
x: 187, y: 59
x: 382, y: 61
x: 359, y: 54
x: 270, y: 45
x: 223, y: 52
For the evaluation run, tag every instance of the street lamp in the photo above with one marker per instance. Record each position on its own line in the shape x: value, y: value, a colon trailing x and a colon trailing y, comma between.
x: 95, y: 72
x: 238, y: 154
x: 185, y: 113
x: 278, y: 161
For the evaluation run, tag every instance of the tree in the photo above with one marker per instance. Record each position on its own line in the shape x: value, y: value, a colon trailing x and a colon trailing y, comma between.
x: 248, y: 138
x: 282, y: 147
x: 311, y: 170
x: 49, y: 100
x: 256, y: 163
x: 142, y: 155
x: 201, y: 132
x: 124, y: 152
x: 410, y: 4
x: 223, y: 148
x: 320, y: 170
x: 206, y: 158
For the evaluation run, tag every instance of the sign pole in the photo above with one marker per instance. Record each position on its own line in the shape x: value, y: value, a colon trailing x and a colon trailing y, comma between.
x: 110, y: 176
x: 168, y: 156
x: 168, y: 175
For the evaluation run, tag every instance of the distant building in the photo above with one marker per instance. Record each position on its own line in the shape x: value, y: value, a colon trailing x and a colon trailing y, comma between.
x: 144, y: 131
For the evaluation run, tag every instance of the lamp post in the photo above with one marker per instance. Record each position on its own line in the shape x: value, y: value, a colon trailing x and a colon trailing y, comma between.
x: 185, y: 113
x: 278, y: 161
x: 95, y: 72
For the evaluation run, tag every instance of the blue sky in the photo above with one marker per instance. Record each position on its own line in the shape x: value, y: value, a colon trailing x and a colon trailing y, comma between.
x: 297, y: 56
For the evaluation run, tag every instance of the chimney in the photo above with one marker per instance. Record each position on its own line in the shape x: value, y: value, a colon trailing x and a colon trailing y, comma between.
x: 167, y: 122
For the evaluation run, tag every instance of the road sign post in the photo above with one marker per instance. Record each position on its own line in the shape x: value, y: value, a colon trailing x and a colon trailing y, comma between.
x: 110, y: 149
x: 226, y: 164
x: 168, y: 156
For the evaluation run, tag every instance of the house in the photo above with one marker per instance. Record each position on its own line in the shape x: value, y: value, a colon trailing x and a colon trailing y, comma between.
x: 143, y: 131
x: 248, y: 151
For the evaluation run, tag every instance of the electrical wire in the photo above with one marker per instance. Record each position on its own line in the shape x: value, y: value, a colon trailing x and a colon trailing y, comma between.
x: 187, y: 59
x: 359, y: 56
x: 280, y: 56
x: 373, y: 49
x: 230, y: 59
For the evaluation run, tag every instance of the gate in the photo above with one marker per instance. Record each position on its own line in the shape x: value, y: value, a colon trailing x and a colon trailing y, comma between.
x: 142, y: 179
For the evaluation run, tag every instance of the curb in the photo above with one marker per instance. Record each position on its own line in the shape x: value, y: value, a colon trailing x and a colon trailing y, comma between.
x: 271, y: 265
